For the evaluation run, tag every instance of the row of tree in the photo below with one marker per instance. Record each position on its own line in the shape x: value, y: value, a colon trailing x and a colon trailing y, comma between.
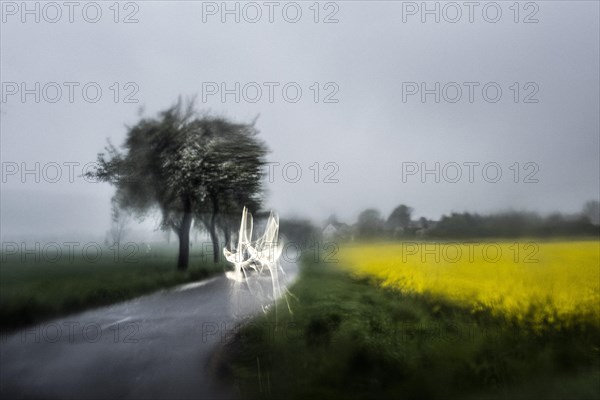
x: 189, y: 167
x: 513, y: 224
x: 370, y: 224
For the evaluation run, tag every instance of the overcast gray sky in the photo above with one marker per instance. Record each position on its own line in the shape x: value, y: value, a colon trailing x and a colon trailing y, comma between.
x: 368, y: 130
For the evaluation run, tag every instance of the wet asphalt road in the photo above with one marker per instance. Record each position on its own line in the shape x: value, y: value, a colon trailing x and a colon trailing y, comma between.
x: 154, y: 347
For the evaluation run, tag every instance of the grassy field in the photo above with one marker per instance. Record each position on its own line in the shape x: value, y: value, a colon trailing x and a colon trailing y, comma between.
x: 36, y: 287
x: 349, y: 337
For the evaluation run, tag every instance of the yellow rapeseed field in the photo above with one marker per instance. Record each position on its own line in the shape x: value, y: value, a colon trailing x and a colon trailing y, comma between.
x: 556, y: 283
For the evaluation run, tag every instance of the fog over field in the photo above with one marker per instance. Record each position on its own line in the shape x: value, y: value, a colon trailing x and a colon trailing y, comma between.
x: 360, y: 115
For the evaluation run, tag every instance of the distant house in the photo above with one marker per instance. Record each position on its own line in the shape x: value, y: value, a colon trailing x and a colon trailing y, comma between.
x: 337, y: 231
x: 424, y: 226
x: 418, y: 228
x: 329, y: 231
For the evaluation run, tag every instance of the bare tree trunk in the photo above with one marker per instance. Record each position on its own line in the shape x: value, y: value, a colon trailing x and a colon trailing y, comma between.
x: 184, y: 236
x: 227, y: 233
x: 214, y: 237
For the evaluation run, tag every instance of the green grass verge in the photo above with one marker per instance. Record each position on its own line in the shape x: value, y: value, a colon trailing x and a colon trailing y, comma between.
x: 35, y: 290
x: 349, y: 339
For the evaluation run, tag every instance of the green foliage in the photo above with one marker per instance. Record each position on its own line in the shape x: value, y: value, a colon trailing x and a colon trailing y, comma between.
x: 181, y: 156
x: 399, y: 218
x: 370, y: 223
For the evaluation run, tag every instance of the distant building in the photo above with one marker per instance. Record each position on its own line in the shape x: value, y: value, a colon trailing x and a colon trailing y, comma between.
x: 337, y: 231
x: 424, y: 226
